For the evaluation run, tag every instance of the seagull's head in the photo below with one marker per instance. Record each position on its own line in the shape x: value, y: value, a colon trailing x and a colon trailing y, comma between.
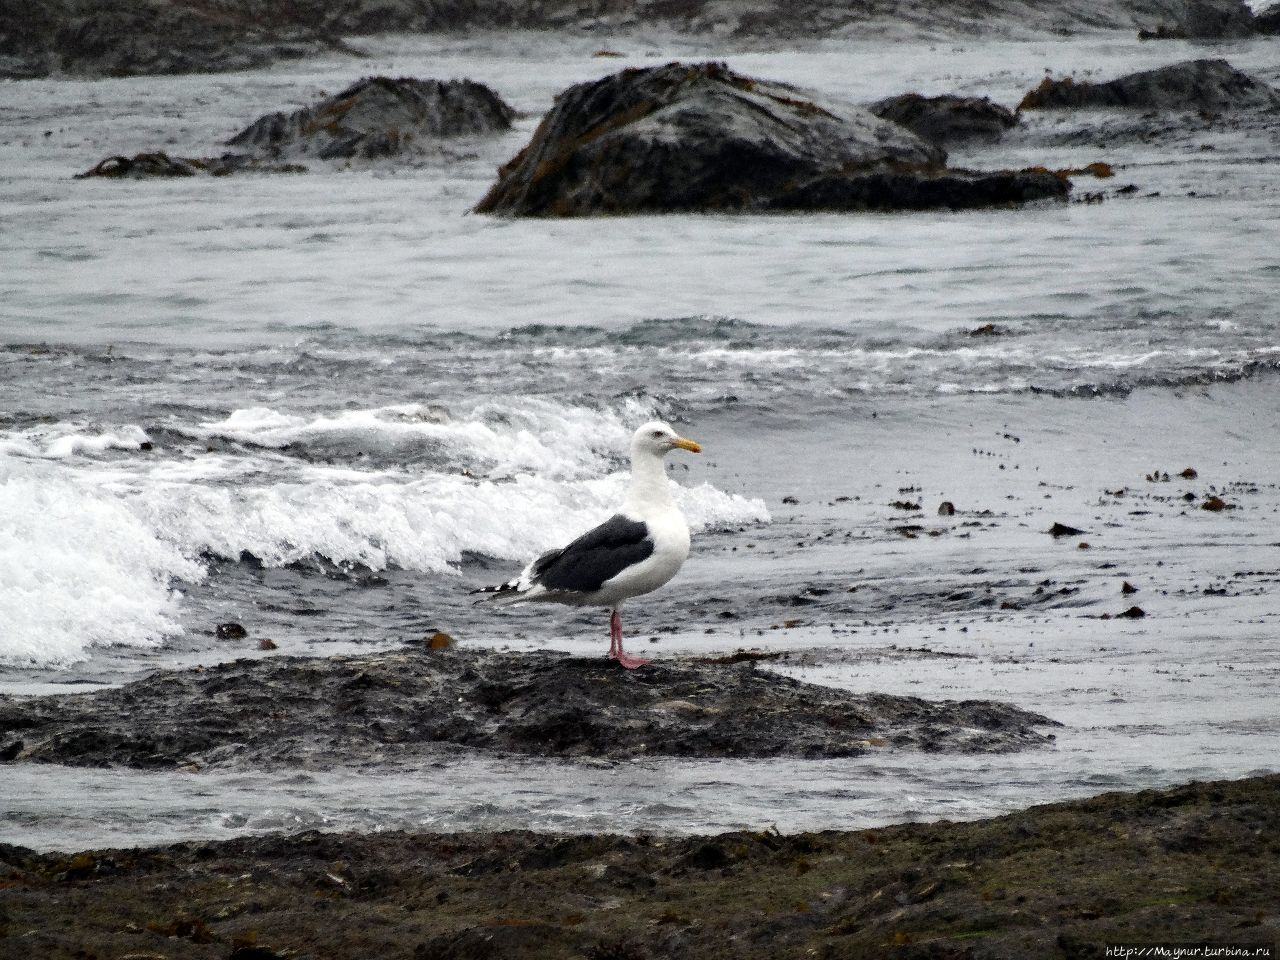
x: 657, y: 439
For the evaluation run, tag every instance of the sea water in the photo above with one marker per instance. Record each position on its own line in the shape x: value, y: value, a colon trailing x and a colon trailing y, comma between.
x: 325, y: 406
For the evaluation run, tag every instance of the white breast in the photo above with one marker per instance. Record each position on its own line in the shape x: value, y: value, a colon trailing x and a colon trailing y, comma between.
x: 670, y: 535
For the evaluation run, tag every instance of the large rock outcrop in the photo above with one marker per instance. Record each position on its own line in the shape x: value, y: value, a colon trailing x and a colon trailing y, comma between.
x: 1207, y: 85
x: 378, y: 117
x: 700, y: 137
x: 947, y: 119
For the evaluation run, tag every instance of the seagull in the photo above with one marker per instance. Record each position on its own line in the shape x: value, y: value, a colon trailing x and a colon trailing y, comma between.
x: 635, y: 551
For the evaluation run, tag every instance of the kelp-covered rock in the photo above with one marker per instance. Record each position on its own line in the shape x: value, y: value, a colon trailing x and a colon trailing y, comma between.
x: 145, y: 166
x: 1187, y: 864
x: 415, y: 703
x: 1208, y: 85
x: 378, y: 117
x: 700, y: 137
x: 947, y: 119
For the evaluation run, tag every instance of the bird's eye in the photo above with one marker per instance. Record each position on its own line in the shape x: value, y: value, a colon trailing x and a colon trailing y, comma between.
x: 657, y: 433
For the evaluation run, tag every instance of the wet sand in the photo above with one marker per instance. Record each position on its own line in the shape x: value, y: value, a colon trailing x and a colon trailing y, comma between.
x: 1193, y: 863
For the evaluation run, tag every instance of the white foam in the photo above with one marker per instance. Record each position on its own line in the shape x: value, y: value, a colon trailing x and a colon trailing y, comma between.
x: 78, y: 569
x: 91, y: 548
x: 497, y: 437
x: 128, y: 438
x: 424, y: 524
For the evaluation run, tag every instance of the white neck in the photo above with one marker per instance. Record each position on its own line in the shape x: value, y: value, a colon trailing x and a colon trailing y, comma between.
x: 649, y: 484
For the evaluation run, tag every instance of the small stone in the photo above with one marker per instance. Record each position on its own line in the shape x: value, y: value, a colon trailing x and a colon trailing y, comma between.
x: 230, y: 631
x: 1214, y: 504
x: 946, y: 509
x: 1127, y: 588
x: 266, y: 644
x: 1062, y: 530
x: 790, y: 500
x: 1133, y: 613
x: 1189, y: 474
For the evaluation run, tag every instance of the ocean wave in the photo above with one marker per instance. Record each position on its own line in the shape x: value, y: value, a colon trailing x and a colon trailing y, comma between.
x: 493, y: 438
x: 79, y: 569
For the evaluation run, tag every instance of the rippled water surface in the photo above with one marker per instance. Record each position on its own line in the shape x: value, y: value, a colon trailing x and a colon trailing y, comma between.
x: 327, y: 405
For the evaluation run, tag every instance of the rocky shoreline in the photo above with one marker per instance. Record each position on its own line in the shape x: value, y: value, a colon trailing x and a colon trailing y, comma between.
x: 418, y: 703
x: 1194, y: 863
x: 40, y: 38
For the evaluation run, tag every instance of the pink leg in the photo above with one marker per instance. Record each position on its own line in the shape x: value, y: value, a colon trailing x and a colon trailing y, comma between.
x: 615, y: 644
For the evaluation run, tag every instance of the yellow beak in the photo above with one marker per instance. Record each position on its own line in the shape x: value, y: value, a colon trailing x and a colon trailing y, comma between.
x: 684, y: 444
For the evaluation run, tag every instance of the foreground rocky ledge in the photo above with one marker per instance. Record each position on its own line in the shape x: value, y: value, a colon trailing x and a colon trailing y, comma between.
x: 1194, y: 863
x: 413, y: 703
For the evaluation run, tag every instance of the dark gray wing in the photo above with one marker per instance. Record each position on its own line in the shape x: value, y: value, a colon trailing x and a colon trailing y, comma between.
x: 598, y: 555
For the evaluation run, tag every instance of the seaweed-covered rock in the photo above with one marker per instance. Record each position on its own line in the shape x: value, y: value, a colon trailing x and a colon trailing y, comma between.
x: 378, y: 117
x: 700, y: 137
x: 415, y: 703
x: 1208, y: 85
x: 947, y: 119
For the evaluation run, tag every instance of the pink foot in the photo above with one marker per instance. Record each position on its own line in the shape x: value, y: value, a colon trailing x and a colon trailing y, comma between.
x: 626, y: 659
x: 615, y: 644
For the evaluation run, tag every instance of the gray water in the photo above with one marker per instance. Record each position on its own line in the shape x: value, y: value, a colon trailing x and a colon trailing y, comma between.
x: 326, y: 406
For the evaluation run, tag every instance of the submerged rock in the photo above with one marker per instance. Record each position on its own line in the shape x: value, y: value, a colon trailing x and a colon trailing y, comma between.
x: 1208, y: 85
x: 947, y: 119
x: 414, y: 703
x: 378, y: 117
x: 144, y: 166
x: 700, y: 137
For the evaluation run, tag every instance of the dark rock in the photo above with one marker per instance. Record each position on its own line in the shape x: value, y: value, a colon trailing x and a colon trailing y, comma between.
x: 375, y: 118
x: 947, y: 119
x: 699, y: 137
x: 144, y: 166
x: 1062, y: 530
x: 1206, y: 85
x: 1217, y: 20
x: 230, y: 631
x: 1268, y: 22
x: 419, y: 703
x: 1133, y: 613
x: 378, y: 117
